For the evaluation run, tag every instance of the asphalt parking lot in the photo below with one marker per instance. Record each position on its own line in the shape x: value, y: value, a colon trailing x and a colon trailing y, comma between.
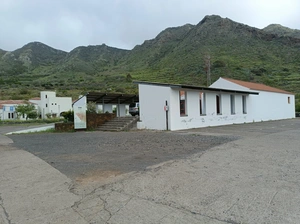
x: 86, y: 154
x: 246, y: 173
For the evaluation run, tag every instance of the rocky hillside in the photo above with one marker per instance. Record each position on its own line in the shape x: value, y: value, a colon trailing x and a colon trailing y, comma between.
x: 282, y: 31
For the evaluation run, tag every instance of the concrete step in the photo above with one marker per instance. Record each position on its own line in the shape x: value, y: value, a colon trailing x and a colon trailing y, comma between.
x: 108, y: 129
x: 119, y: 124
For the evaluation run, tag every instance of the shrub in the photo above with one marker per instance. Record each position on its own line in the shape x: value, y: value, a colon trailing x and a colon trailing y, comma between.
x: 297, y: 107
x: 48, y: 115
x: 91, y: 107
x: 68, y: 116
x: 32, y: 115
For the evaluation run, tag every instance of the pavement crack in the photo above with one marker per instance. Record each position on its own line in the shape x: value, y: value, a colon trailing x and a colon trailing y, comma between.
x: 272, y: 199
x: 4, y: 210
x: 74, y: 206
x: 104, y: 200
x: 123, y: 206
x: 181, y: 208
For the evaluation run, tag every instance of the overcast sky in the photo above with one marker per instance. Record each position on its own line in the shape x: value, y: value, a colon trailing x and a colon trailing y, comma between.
x: 66, y: 24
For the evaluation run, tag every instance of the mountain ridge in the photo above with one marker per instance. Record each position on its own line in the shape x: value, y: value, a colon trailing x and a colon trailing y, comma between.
x: 175, y: 55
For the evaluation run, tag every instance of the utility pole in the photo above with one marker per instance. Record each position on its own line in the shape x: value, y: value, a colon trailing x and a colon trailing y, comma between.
x: 207, y: 69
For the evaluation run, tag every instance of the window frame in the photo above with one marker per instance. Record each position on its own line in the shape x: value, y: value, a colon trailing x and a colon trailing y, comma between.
x: 183, y: 103
x: 232, y: 104
x: 202, y: 102
x: 244, y: 104
x: 219, y: 104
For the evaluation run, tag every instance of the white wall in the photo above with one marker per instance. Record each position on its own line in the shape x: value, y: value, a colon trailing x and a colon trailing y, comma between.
x: 271, y: 106
x: 225, y: 84
x: 195, y: 120
x: 122, y: 108
x: 152, y: 102
x: 108, y: 108
x: 8, y: 112
x: 265, y: 106
x: 55, y: 105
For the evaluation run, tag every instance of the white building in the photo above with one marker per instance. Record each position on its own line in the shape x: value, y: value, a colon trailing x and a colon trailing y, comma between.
x: 176, y: 107
x: 49, y: 103
x: 8, y: 109
x: 270, y: 104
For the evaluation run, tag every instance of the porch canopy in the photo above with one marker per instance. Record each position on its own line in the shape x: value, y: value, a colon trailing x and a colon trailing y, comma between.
x: 112, y: 98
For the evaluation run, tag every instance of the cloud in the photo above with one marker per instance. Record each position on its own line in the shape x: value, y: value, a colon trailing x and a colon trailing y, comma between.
x: 124, y: 23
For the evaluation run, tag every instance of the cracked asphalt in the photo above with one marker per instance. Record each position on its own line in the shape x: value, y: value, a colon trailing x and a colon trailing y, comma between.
x: 231, y: 174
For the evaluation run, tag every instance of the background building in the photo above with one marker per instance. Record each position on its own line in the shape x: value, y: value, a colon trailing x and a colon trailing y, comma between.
x: 50, y: 104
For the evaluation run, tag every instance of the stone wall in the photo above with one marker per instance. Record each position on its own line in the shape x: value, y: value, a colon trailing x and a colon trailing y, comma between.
x: 93, y: 121
x: 64, y: 127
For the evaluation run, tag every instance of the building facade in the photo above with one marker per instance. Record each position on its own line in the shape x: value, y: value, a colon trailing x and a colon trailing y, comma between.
x: 177, y: 107
x: 51, y: 105
x: 8, y: 109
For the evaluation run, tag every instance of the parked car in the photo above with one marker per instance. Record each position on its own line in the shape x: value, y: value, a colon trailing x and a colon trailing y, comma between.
x: 134, y: 109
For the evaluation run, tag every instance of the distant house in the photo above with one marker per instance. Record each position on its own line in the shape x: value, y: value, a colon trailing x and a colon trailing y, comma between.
x: 8, y: 109
x: 227, y: 101
x: 49, y: 103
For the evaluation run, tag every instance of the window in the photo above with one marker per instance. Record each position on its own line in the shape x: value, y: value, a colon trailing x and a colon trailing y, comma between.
x: 244, y: 103
x: 46, y: 96
x: 8, y: 115
x: 202, y: 103
x: 46, y: 105
x: 12, y: 115
x: 218, y: 104
x: 289, y: 100
x: 182, y: 100
x: 232, y: 104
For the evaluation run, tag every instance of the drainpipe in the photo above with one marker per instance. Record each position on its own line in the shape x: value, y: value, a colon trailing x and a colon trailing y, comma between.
x: 166, y: 108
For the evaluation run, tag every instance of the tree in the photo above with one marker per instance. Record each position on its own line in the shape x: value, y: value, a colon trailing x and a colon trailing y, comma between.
x: 25, y: 109
x: 91, y: 108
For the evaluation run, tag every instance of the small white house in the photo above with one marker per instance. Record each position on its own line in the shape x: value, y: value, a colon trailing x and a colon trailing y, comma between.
x: 177, y: 107
x: 8, y: 109
x: 49, y: 103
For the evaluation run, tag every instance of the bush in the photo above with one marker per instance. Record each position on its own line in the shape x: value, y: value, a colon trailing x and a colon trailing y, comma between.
x: 68, y: 116
x: 32, y: 115
x: 297, y: 107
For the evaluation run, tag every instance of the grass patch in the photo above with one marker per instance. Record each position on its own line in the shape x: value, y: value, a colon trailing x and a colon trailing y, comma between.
x: 31, y: 122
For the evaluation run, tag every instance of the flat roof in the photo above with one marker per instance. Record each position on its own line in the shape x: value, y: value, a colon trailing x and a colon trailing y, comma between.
x: 206, y: 89
x: 111, y: 98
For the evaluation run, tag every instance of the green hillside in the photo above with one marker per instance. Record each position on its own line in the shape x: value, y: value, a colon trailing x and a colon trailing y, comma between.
x: 176, y: 55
